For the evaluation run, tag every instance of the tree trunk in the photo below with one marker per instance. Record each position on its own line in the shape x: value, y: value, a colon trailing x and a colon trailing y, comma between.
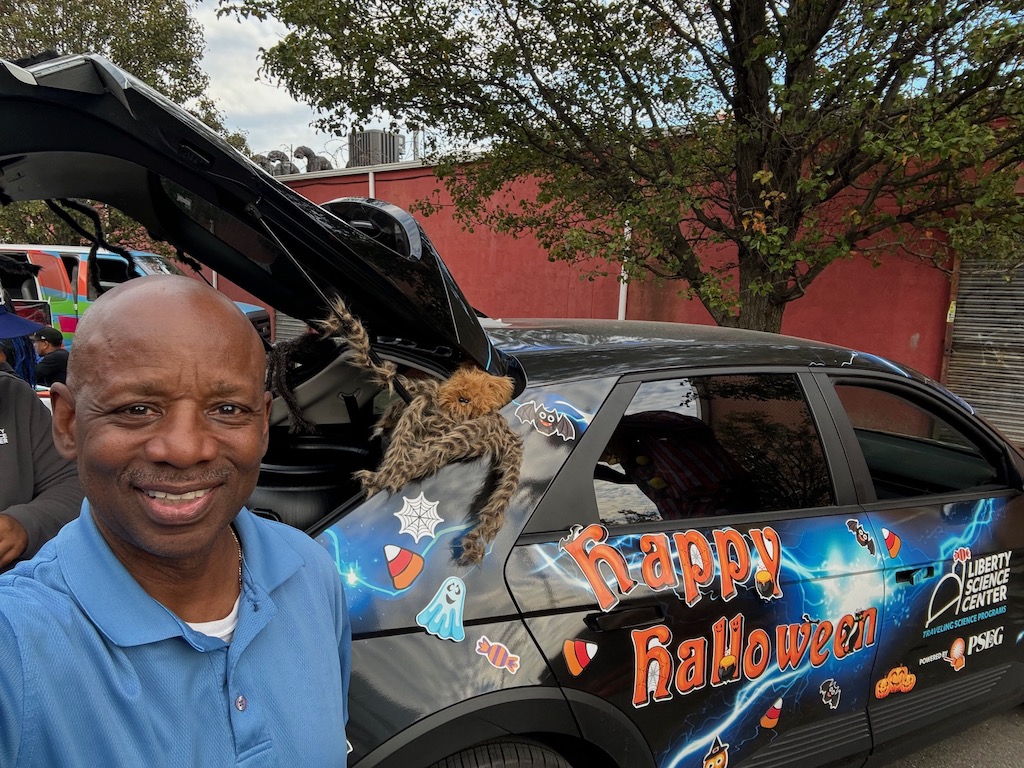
x: 760, y: 313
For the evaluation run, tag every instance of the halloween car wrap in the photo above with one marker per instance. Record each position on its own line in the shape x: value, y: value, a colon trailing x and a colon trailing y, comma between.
x: 701, y: 645
x: 698, y: 633
x: 718, y: 641
x: 402, y: 581
x: 953, y: 627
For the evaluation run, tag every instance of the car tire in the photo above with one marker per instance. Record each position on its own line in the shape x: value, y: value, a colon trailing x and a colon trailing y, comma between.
x: 505, y: 753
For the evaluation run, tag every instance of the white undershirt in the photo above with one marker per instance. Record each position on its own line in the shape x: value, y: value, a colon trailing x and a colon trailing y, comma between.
x: 220, y: 628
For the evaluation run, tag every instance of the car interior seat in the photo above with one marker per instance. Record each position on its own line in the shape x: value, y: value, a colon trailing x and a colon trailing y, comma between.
x: 678, y: 463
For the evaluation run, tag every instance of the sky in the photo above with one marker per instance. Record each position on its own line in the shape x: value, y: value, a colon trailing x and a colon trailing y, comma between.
x: 270, y: 118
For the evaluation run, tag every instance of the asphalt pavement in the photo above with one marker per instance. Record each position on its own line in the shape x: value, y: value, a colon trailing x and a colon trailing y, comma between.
x: 996, y: 743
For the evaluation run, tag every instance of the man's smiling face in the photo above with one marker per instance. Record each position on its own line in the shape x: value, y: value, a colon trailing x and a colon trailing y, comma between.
x: 166, y: 413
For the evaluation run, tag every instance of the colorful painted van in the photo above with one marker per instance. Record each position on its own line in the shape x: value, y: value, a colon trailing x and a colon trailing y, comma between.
x: 64, y: 283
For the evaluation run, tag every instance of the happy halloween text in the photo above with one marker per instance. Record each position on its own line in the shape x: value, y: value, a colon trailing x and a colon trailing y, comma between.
x: 696, y: 562
x: 734, y: 651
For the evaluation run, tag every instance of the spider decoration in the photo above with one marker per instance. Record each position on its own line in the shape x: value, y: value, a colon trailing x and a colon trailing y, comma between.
x: 444, y: 421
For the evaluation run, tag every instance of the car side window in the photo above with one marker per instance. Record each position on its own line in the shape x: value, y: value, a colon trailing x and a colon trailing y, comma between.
x: 112, y: 272
x: 712, y: 445
x: 911, y: 451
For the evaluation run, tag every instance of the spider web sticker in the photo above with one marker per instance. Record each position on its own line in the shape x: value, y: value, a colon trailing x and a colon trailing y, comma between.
x: 419, y: 517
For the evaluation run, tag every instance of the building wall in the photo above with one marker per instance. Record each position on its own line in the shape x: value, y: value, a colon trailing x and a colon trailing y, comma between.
x: 897, y: 310
x: 230, y: 290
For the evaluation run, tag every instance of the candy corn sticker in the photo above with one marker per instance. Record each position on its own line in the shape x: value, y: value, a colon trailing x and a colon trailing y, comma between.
x: 404, y: 565
x: 771, y: 717
x: 578, y: 653
x: 892, y: 542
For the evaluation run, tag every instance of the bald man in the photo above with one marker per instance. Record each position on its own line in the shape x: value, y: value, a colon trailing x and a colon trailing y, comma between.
x: 168, y: 625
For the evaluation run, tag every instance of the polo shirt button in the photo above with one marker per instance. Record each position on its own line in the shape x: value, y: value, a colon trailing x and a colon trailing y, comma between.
x: 241, y: 703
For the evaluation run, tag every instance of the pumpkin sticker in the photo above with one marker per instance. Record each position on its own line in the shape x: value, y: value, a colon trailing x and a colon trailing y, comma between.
x: 899, y: 680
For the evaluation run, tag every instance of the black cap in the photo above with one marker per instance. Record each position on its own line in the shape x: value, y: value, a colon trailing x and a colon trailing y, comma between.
x: 51, y: 335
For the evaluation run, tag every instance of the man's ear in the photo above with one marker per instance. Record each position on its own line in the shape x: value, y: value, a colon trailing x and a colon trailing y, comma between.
x: 63, y: 406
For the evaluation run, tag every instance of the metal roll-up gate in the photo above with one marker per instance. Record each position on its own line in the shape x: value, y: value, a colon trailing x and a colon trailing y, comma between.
x: 287, y: 328
x: 986, y: 362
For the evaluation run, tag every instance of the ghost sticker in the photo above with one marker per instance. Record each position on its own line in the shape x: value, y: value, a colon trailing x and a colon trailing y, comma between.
x: 443, y: 615
x: 830, y: 693
x: 547, y: 421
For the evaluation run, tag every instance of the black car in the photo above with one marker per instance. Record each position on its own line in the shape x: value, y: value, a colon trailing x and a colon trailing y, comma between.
x: 725, y: 548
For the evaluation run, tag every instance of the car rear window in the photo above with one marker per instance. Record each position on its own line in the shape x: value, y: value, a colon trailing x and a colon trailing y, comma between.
x: 712, y: 445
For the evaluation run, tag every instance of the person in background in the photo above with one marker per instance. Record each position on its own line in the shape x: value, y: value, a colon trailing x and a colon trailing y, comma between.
x: 6, y: 353
x: 191, y: 631
x: 52, y: 367
x: 39, y: 488
x: 14, y: 334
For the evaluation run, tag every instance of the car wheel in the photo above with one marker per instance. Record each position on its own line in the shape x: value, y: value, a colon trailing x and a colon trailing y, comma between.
x: 505, y: 753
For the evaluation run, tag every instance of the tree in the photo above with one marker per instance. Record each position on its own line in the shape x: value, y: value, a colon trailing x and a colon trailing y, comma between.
x: 737, y: 147
x: 158, y: 41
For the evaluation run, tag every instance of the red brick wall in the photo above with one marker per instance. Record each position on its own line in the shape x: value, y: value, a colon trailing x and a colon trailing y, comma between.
x: 897, y: 310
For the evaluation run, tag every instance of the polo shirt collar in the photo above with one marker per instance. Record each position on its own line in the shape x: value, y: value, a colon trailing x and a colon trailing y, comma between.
x: 123, y: 611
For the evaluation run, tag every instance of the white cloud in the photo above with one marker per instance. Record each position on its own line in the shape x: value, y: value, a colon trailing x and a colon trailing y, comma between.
x: 270, y: 117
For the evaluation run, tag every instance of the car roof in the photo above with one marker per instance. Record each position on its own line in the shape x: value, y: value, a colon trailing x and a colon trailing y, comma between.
x: 566, y: 349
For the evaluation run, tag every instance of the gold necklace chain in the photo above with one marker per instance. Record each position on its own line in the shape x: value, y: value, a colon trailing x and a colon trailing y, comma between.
x: 238, y: 545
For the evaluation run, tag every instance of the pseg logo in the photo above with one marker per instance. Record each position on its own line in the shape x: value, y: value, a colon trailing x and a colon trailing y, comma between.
x: 958, y: 652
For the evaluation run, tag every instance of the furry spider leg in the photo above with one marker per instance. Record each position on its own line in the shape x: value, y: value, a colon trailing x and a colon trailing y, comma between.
x: 507, y: 457
x: 438, y: 423
x: 404, y: 439
x: 487, y: 435
x: 359, y: 352
x: 393, y: 413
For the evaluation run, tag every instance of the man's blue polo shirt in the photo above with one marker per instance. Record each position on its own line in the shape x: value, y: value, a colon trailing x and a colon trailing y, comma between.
x: 94, y: 672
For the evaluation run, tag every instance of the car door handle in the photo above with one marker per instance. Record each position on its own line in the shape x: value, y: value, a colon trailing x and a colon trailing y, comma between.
x: 625, y: 618
x: 914, y: 576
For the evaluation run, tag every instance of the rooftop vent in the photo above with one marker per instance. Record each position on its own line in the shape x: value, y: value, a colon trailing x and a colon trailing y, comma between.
x: 374, y: 147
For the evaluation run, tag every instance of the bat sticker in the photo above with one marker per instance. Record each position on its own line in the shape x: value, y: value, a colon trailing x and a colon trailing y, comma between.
x: 547, y: 421
x: 863, y: 537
